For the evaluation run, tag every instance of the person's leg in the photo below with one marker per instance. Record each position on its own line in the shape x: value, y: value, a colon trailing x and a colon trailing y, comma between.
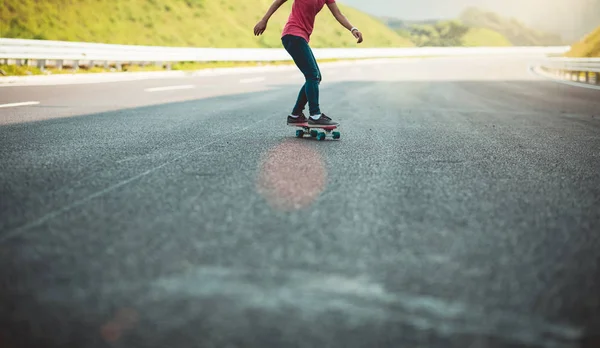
x: 317, y: 65
x: 300, y: 102
x: 316, y: 117
x: 305, y: 60
x: 300, y: 52
x: 313, y: 80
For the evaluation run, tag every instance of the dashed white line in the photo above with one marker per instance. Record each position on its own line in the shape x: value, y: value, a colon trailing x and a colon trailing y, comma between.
x: 252, y: 80
x: 169, y: 88
x: 19, y: 104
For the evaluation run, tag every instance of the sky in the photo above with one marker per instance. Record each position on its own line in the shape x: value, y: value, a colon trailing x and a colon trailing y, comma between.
x: 570, y: 18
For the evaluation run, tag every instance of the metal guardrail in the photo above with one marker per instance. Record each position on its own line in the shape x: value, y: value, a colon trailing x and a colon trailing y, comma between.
x: 57, y: 53
x: 583, y: 70
x: 45, y: 53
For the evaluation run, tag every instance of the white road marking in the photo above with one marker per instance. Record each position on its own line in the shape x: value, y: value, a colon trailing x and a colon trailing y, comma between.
x: 169, y: 88
x: 19, y: 104
x: 252, y: 80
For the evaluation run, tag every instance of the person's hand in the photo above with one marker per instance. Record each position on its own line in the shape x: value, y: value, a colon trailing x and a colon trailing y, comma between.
x: 260, y: 27
x: 357, y: 34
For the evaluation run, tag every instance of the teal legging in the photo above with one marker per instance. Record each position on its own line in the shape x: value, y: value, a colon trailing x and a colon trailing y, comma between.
x: 303, y: 56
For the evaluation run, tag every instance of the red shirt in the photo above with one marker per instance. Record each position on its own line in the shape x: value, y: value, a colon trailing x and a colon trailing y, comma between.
x: 302, y: 19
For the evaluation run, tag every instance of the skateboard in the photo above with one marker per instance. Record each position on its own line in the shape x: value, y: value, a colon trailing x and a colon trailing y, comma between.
x: 314, y: 133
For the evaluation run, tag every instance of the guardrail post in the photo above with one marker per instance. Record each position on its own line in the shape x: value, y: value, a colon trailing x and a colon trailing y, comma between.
x: 19, y: 62
x: 41, y: 64
x: 75, y: 65
x: 119, y: 66
x: 59, y: 64
x: 168, y: 66
x: 106, y: 65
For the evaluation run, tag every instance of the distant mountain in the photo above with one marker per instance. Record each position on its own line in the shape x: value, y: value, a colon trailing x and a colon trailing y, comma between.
x: 515, y: 31
x: 435, y: 32
x: 589, y: 46
x: 396, y: 23
x: 477, y: 37
x: 474, y: 27
x: 572, y: 19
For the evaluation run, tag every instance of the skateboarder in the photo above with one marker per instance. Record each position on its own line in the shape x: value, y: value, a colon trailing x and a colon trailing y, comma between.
x: 295, y: 39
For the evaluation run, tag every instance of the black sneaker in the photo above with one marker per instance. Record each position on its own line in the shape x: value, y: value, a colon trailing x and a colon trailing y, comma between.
x: 322, y: 121
x: 295, y: 120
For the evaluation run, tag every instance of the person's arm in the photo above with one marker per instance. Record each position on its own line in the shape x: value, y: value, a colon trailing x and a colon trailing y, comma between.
x: 335, y: 10
x: 262, y: 25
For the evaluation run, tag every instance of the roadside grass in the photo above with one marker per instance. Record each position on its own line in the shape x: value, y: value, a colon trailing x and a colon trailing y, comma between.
x: 13, y: 70
x: 24, y: 70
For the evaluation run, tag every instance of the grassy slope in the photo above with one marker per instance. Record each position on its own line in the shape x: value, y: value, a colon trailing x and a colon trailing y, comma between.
x: 485, y: 37
x: 589, y: 46
x: 516, y: 32
x: 198, y: 23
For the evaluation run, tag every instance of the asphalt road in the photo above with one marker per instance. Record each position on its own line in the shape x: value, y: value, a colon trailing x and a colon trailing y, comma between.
x: 460, y: 208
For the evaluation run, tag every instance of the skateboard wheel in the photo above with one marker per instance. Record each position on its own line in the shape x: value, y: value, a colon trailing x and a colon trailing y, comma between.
x: 314, y: 133
x: 321, y: 136
x: 299, y: 133
x: 336, y: 135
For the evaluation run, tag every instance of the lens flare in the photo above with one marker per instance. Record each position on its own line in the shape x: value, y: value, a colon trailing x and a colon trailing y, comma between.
x: 124, y: 320
x: 292, y: 175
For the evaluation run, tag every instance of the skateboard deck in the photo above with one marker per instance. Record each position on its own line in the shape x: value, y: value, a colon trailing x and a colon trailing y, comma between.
x: 314, y: 133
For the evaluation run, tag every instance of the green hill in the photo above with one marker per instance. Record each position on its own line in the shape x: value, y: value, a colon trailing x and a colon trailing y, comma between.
x: 484, y: 37
x: 517, y: 33
x: 189, y: 23
x: 589, y: 46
